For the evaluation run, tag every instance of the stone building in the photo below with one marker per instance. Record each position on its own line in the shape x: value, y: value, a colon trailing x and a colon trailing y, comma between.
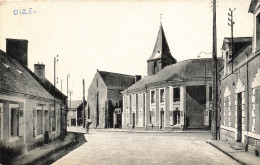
x: 240, y: 89
x: 104, y: 101
x: 172, y: 96
x: 29, y: 116
x: 75, y: 112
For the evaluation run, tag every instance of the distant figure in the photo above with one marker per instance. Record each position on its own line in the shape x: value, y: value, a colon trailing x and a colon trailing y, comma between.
x: 87, y: 127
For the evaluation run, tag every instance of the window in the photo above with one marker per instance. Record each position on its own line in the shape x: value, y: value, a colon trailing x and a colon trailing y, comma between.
x: 127, y: 101
x: 161, y: 95
x: 134, y: 100
x: 97, y: 83
x: 210, y: 93
x: 152, y: 96
x: 176, y: 94
x: 256, y: 110
x: 176, y: 117
x: 53, y: 120
x: 152, y: 121
x: 39, y: 122
x: 140, y: 98
x: 136, y: 97
x: 155, y: 66
x: 14, y: 119
x: 227, y: 113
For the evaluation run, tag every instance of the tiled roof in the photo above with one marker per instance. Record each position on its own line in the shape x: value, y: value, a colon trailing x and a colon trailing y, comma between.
x: 15, y: 78
x: 116, y: 80
x: 184, y: 70
x: 161, y: 47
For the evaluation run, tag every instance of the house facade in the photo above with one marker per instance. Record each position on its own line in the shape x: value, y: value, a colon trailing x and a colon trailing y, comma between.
x: 75, y: 112
x: 174, y: 95
x: 104, y: 101
x: 29, y: 115
x: 240, y: 89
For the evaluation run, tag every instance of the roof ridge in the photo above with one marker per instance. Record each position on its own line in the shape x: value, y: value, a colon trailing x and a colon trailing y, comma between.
x: 115, y: 73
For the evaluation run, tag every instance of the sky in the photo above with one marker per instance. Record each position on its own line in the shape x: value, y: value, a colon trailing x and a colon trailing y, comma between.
x: 115, y: 36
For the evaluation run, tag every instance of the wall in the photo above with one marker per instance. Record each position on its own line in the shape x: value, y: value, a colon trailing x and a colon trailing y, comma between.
x: 195, y: 105
x: 235, y: 83
x: 27, y: 138
x: 97, y: 117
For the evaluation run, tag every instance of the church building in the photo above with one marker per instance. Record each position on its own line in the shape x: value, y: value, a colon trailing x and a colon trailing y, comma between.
x: 174, y: 95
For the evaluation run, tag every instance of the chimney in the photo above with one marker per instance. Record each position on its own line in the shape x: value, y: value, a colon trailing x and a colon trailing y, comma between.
x: 17, y: 49
x: 39, y: 70
x: 137, y: 77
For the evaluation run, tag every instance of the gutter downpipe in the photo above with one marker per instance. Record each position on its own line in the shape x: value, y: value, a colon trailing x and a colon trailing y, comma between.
x: 247, y: 95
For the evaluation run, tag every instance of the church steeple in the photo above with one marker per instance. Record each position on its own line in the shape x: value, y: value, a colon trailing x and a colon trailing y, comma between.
x: 161, y: 55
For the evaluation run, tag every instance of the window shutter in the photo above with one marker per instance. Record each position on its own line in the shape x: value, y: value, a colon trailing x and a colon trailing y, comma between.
x: 17, y: 117
x: 21, y: 123
x: 34, y: 122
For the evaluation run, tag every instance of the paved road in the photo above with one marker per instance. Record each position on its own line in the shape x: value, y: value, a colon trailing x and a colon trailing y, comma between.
x: 109, y: 148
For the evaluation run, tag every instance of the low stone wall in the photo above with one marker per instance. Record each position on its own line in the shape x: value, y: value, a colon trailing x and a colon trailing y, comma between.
x: 227, y: 135
x: 152, y: 128
x: 253, y: 145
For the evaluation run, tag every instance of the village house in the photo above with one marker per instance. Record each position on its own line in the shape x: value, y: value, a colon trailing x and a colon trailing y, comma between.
x: 104, y: 102
x: 240, y: 89
x: 174, y: 95
x: 29, y: 115
x: 75, y: 112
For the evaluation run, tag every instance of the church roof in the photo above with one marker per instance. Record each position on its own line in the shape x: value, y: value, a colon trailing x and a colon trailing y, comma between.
x: 116, y: 80
x: 161, y: 48
x: 192, y: 69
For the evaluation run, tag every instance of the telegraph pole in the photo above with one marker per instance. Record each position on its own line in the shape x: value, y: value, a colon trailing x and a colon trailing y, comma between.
x: 83, y: 108
x: 231, y: 24
x: 214, y: 79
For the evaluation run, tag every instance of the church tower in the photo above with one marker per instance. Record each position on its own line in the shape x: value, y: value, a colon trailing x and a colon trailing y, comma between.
x: 161, y: 56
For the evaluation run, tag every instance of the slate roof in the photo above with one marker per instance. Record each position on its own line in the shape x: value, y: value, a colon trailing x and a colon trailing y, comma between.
x: 184, y: 70
x: 50, y: 88
x: 161, y: 48
x: 16, y: 78
x: 116, y: 80
x: 239, y: 43
x: 75, y: 104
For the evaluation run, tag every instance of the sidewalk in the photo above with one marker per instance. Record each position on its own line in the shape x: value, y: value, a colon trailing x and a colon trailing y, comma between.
x: 42, y: 151
x: 239, y: 155
x: 143, y: 131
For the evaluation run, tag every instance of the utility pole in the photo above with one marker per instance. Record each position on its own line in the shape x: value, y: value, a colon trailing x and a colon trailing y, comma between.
x: 214, y: 79
x: 231, y: 24
x: 70, y: 92
x: 83, y: 107
x: 61, y: 85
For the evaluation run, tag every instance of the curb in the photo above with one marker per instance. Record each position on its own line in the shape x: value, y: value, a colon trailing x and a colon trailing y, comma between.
x: 98, y: 130
x: 239, y: 161
x: 53, y: 151
x: 46, y: 154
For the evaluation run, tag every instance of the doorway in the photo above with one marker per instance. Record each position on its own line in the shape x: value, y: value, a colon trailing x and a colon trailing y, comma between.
x: 162, y: 119
x: 239, y: 117
x: 133, y: 120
